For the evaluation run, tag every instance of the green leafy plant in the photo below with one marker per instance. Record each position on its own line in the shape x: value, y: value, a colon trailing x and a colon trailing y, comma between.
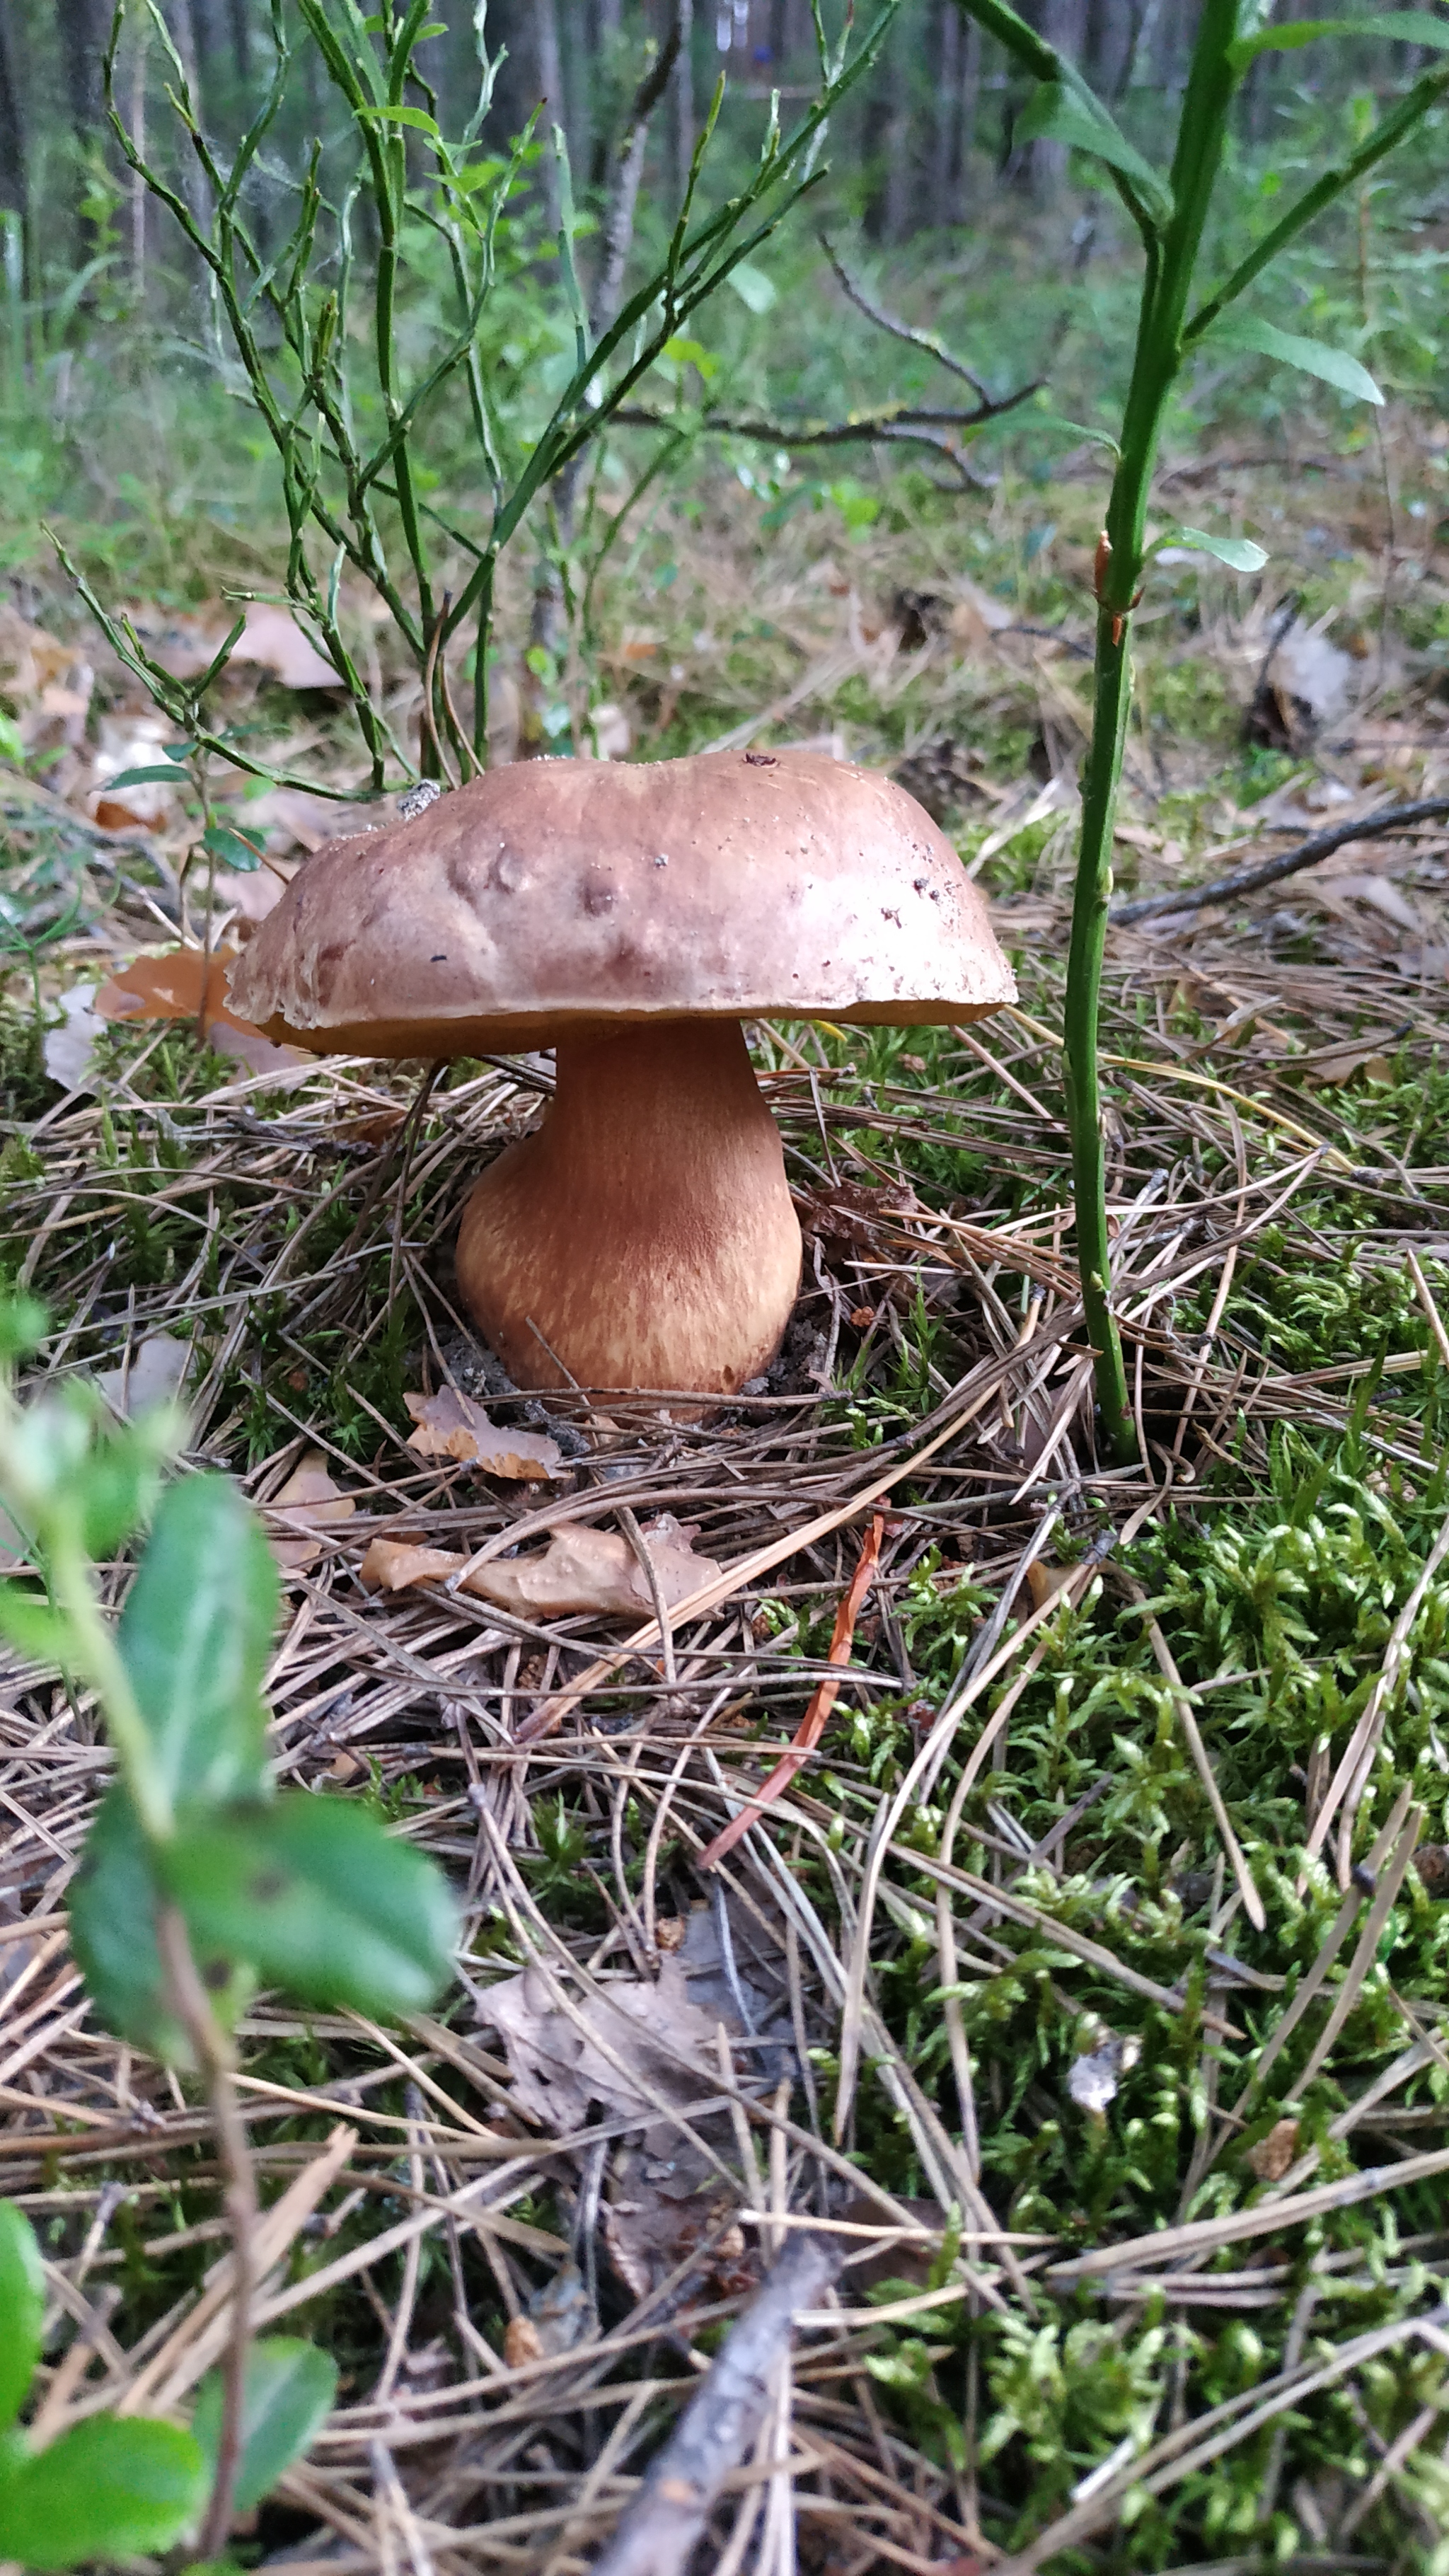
x: 198, y: 1879
x: 1170, y: 215
x: 459, y: 258
x: 106, y: 2488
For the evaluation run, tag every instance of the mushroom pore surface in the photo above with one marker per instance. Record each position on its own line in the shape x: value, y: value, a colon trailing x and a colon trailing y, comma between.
x: 644, y: 1235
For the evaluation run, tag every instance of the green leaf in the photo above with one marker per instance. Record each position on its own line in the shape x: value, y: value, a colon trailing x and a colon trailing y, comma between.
x: 290, y: 2387
x: 318, y: 1899
x: 1055, y: 114
x: 107, y: 2489
x: 239, y: 853
x: 1076, y: 428
x: 417, y: 116
x: 753, y: 287
x: 1311, y: 357
x: 1239, y: 553
x: 195, y: 1635
x: 143, y: 778
x: 22, y: 2308
x: 123, y: 1479
x: 113, y: 1904
x: 24, y: 1324
x: 1403, y: 26
x: 40, y: 1632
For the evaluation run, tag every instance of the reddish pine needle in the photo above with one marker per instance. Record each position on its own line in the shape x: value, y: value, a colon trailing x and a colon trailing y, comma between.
x: 812, y: 1724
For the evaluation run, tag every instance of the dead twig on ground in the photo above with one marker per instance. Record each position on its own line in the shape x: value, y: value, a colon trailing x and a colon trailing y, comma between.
x: 659, y: 2531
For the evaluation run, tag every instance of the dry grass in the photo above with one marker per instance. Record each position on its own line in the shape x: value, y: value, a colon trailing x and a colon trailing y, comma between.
x: 417, y: 2221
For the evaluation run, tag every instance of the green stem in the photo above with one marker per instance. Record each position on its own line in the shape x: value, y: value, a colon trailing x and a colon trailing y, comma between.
x: 98, y: 1657
x: 1156, y: 360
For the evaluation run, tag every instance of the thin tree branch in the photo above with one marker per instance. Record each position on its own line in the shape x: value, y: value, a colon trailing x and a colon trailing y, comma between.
x: 1371, y: 827
x: 899, y: 330
x: 629, y: 170
x: 658, y: 2533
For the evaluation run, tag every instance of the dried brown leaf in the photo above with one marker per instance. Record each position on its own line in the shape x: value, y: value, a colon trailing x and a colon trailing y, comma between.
x: 275, y: 640
x: 581, y: 1569
x: 649, y: 2235
x: 152, y: 1373
x: 1272, y: 2156
x: 391, y: 1564
x: 560, y: 2065
x: 308, y: 1495
x: 451, y: 1425
x: 184, y: 984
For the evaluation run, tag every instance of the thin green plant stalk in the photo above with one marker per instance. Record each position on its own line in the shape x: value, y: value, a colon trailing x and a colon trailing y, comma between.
x: 1166, y: 336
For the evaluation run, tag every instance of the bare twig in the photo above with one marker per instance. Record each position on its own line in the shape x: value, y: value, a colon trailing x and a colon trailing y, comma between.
x: 658, y: 2533
x: 899, y: 330
x: 618, y: 225
x: 1290, y: 863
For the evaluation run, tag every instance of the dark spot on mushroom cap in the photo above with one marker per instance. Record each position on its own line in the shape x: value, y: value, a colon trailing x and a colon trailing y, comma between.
x: 761, y: 760
x: 440, y: 960
x: 599, y: 891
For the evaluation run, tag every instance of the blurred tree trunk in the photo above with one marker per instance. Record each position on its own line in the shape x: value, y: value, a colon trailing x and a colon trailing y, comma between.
x: 681, y: 102
x: 13, y: 189
x: 958, y: 84
x: 1114, y: 39
x: 82, y: 43
x: 887, y: 123
x: 515, y: 92
x: 241, y: 41
x: 1063, y: 23
x: 549, y: 68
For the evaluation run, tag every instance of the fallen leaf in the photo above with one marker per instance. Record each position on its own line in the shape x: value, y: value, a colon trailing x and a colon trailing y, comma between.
x: 1044, y: 1582
x: 254, y: 896
x: 1332, y: 1065
x: 580, y: 1569
x: 1093, y: 2079
x: 620, y: 2039
x: 47, y: 682
x: 70, y: 1048
x: 151, y: 1374
x: 650, y: 2234
x: 308, y: 820
x: 126, y: 744
x: 559, y: 2317
x: 310, y: 1496
x: 1431, y: 1860
x: 1272, y: 2156
x: 184, y: 984
x: 1379, y: 892
x: 273, y: 638
x: 451, y: 1425
x: 391, y: 1564
x: 856, y: 1214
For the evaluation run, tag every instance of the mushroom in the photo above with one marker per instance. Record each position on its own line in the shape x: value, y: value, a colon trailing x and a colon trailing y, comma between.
x: 630, y: 917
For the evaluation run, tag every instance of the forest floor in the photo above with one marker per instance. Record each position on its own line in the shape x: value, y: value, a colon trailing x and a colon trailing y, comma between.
x: 1089, y: 1981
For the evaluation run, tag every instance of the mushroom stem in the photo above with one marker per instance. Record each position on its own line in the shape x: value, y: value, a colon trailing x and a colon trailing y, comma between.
x: 644, y: 1235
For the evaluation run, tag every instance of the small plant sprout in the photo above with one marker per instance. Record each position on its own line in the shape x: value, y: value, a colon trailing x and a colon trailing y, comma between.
x: 197, y: 1882
x: 1170, y: 214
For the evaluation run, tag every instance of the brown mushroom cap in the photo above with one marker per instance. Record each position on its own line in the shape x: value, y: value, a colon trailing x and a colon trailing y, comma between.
x: 557, y: 895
